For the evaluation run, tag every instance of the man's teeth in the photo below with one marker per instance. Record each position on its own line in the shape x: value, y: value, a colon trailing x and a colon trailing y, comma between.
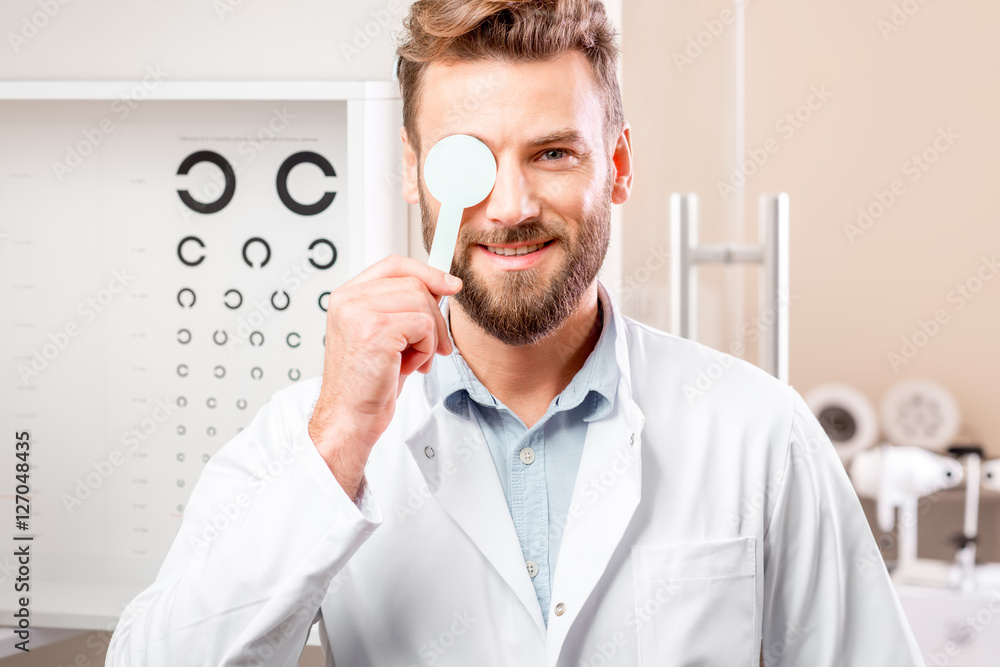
x: 523, y: 250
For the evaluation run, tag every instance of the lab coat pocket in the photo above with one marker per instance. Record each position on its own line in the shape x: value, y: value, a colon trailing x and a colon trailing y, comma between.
x: 694, y: 603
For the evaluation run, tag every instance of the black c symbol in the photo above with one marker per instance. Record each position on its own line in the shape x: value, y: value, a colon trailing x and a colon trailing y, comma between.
x: 181, y: 340
x: 259, y: 335
x: 238, y: 303
x: 256, y: 372
x: 182, y: 370
x: 215, y: 337
x: 286, y: 167
x: 320, y: 300
x: 267, y: 249
x: 288, y: 300
x: 294, y: 374
x: 220, y: 372
x: 333, y: 249
x: 288, y: 339
x: 180, y: 250
x: 193, y: 297
x: 227, y: 172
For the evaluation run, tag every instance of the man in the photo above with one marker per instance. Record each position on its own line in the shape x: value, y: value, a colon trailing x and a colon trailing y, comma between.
x: 549, y: 493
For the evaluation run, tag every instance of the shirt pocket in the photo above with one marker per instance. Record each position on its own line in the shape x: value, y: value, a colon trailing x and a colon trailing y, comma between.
x: 695, y: 603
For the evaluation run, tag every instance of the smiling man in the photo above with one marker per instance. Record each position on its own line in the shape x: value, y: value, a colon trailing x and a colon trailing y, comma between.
x: 545, y: 494
x: 559, y: 169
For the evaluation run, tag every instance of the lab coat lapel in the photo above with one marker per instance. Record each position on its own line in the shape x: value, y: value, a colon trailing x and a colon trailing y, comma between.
x: 605, y: 496
x: 462, y: 477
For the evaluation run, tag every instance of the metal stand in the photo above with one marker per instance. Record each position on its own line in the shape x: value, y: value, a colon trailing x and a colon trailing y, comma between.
x: 771, y: 252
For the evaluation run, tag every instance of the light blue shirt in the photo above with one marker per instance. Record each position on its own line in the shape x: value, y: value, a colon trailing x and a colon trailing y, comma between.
x: 539, y: 488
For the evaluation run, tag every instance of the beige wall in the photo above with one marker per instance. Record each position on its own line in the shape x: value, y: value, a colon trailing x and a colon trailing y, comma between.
x: 853, y: 301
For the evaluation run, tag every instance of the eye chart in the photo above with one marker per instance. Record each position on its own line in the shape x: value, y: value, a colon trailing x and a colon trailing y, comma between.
x: 165, y: 265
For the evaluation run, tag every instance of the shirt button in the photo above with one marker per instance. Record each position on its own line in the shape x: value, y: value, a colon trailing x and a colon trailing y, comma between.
x: 532, y: 568
x: 429, y: 451
x: 527, y: 455
x: 560, y: 608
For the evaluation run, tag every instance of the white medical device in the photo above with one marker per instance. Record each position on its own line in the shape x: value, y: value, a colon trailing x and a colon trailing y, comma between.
x: 919, y: 418
x: 460, y: 172
x: 991, y: 475
x: 920, y: 413
x: 897, y: 477
x: 847, y: 416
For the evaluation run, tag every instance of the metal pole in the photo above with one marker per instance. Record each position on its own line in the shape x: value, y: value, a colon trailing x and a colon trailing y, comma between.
x: 771, y: 253
x: 683, y: 271
x: 774, y: 286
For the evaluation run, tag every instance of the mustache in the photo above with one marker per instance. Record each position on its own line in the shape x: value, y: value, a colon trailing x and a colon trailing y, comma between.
x: 521, y: 233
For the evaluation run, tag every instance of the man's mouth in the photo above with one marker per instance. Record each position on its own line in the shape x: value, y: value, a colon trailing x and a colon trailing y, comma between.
x: 517, y: 248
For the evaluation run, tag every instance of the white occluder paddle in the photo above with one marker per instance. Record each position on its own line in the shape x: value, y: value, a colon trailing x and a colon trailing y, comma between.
x: 460, y: 172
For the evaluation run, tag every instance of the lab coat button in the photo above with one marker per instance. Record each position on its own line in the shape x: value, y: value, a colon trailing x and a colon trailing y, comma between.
x: 631, y: 440
x: 532, y: 568
x: 527, y: 455
x: 560, y: 608
x: 429, y: 451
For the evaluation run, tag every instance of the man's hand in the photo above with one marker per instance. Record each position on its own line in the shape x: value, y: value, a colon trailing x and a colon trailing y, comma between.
x: 382, y: 325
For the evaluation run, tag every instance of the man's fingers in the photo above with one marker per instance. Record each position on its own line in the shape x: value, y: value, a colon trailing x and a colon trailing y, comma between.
x: 437, y: 282
x: 394, y: 295
x: 419, y: 339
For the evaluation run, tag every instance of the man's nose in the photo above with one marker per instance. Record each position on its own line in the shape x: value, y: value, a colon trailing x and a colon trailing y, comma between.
x: 513, y: 198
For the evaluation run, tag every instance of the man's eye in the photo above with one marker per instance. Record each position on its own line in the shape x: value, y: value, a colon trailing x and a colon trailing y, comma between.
x: 554, y: 150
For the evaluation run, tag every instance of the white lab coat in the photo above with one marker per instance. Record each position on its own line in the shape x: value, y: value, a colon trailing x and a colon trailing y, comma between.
x: 710, y: 513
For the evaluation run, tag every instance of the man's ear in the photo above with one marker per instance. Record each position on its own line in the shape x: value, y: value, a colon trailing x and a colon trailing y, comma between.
x: 411, y: 192
x: 622, y: 160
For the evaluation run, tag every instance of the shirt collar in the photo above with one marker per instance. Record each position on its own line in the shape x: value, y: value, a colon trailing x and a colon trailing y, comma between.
x: 596, y: 382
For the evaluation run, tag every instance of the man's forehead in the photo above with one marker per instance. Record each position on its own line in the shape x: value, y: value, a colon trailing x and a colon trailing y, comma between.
x: 502, y: 104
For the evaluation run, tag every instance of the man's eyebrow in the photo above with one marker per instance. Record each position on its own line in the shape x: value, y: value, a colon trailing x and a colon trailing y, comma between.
x: 568, y: 136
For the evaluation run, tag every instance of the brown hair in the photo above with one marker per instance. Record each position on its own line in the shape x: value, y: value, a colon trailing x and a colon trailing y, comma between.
x: 513, y: 31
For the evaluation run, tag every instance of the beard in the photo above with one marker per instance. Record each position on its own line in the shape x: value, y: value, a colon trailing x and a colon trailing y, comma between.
x: 521, y: 307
